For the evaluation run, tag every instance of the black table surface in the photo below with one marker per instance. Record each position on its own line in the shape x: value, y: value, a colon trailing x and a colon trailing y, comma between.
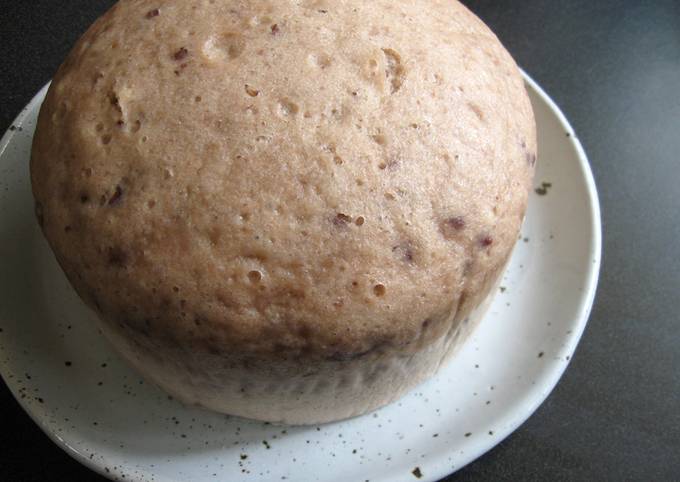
x: 614, y: 68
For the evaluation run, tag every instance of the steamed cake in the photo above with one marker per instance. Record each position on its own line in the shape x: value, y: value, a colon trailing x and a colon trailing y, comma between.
x: 292, y: 211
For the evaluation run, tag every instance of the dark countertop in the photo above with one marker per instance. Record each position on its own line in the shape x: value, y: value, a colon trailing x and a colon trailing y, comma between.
x: 614, y: 68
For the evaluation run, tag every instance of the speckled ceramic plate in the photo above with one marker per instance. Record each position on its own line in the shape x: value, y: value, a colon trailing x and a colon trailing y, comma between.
x: 89, y: 402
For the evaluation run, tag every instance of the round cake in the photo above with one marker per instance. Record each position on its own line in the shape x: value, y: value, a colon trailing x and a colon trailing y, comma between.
x: 288, y: 211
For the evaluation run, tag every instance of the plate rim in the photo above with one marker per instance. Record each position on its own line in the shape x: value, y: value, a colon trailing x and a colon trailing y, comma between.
x: 437, y: 469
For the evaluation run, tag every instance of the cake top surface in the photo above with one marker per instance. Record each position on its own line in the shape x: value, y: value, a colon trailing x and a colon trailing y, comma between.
x: 285, y: 176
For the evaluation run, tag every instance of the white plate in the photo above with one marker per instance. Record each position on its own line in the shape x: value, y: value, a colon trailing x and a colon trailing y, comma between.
x: 89, y: 402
